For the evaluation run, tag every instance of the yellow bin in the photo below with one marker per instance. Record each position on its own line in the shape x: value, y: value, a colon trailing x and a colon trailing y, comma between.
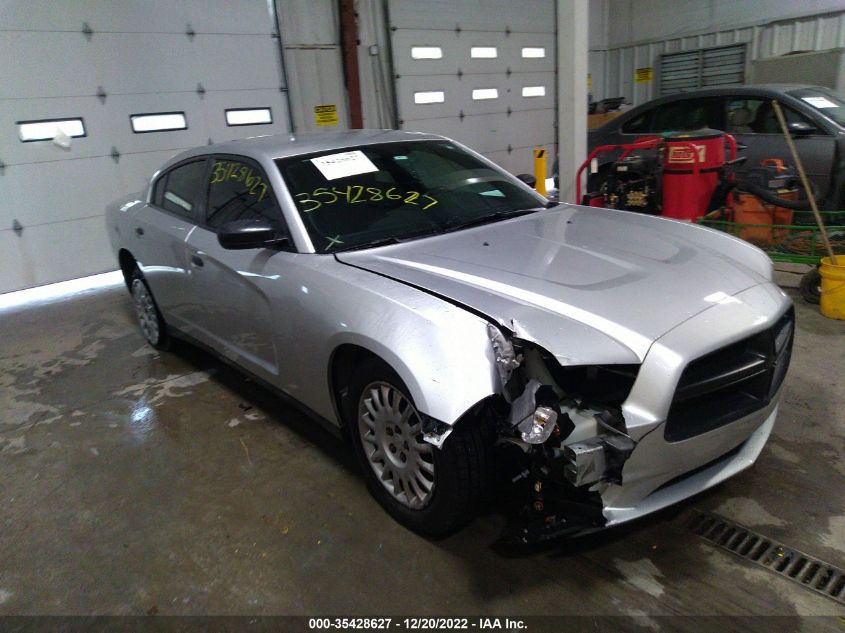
x: 833, y: 288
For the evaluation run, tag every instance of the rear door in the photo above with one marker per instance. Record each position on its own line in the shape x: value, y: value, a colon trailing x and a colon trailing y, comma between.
x: 159, y: 233
x: 231, y: 290
x: 752, y: 121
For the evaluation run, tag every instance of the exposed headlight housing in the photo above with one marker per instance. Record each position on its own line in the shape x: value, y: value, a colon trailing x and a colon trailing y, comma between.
x: 539, y: 427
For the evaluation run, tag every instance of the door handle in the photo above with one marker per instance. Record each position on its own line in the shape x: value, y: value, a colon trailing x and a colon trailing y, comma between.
x: 196, y: 260
x: 139, y: 231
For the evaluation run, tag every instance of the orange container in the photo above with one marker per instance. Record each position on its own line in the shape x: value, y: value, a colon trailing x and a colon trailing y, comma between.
x: 749, y: 209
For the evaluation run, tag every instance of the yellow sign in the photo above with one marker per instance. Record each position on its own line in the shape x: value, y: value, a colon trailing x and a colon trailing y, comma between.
x: 644, y: 75
x: 325, y: 114
x: 589, y: 81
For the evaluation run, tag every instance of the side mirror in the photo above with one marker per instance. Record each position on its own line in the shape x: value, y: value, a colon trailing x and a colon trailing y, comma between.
x: 800, y: 128
x: 528, y: 179
x: 243, y: 234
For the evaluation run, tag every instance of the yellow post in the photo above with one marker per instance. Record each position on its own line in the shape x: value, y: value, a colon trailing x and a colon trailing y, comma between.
x: 540, y: 170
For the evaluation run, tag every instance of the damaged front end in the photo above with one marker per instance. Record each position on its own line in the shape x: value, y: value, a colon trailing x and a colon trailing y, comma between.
x: 564, y: 433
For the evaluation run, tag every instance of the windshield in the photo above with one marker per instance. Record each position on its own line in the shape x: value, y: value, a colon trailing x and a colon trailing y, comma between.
x: 358, y: 197
x: 825, y: 101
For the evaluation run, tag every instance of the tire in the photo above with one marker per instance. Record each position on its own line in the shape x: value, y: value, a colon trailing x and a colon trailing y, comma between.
x: 811, y: 286
x: 447, y: 485
x: 152, y: 325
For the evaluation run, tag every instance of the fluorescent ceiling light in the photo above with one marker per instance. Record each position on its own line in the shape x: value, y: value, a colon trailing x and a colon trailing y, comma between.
x: 159, y: 122
x: 249, y: 116
x: 484, y: 52
x: 426, y: 52
x: 431, y: 96
x: 46, y: 130
x: 63, y: 290
x: 533, y: 91
x: 537, y: 51
x: 485, y: 93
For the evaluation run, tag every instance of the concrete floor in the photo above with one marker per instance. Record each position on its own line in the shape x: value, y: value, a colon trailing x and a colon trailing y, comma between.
x: 134, y: 482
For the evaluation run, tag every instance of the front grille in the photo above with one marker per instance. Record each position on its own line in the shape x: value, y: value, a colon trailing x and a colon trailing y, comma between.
x: 731, y: 382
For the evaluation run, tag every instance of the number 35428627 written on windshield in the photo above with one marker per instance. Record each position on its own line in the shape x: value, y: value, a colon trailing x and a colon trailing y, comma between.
x: 353, y: 194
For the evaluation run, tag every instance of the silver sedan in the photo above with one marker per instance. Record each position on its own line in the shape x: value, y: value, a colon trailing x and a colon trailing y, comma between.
x: 460, y: 329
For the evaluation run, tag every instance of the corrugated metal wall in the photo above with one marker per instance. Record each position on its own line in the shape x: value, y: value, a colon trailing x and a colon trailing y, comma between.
x: 613, y: 70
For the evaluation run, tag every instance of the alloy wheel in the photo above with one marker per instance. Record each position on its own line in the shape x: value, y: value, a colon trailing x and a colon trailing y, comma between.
x: 391, y: 436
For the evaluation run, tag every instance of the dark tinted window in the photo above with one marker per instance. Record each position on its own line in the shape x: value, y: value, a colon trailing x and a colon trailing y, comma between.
x: 639, y: 124
x: 239, y: 191
x: 757, y: 116
x: 689, y: 114
x: 181, y: 188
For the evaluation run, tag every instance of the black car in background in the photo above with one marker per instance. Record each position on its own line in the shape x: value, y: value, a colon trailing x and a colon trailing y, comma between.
x: 815, y: 116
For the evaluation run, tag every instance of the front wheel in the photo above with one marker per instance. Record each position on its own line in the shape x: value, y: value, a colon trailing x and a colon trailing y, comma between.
x: 429, y: 490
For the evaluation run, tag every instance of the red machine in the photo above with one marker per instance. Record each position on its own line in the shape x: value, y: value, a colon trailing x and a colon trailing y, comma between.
x: 674, y: 175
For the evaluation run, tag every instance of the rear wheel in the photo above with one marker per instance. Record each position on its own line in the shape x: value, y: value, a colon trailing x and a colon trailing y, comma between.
x: 152, y: 324
x: 429, y: 490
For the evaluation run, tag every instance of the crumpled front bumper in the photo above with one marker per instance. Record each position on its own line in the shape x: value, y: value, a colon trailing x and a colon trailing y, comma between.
x: 659, y: 473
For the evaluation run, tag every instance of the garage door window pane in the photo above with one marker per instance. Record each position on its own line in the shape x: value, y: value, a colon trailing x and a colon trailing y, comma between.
x: 533, y: 51
x: 533, y: 91
x: 483, y: 52
x: 239, y: 191
x: 431, y: 96
x: 46, y: 130
x: 485, y: 93
x: 248, y: 116
x: 158, y: 122
x: 183, y: 185
x: 426, y: 52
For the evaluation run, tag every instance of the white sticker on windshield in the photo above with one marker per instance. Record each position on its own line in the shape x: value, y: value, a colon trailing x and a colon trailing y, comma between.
x: 820, y: 102
x: 345, y: 164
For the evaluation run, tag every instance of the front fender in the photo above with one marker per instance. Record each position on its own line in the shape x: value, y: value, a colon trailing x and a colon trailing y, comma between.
x: 444, y: 357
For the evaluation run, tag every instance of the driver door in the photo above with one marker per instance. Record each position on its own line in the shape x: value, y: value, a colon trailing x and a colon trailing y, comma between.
x: 236, y: 292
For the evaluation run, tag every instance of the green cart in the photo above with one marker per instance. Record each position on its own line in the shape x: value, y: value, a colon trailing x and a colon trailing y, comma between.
x: 799, y: 242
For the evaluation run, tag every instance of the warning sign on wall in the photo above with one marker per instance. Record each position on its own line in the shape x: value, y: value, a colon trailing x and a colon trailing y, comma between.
x: 325, y: 114
x: 644, y: 75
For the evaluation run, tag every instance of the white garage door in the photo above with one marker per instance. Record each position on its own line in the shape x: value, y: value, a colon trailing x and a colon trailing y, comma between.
x: 479, y: 71
x: 98, y: 63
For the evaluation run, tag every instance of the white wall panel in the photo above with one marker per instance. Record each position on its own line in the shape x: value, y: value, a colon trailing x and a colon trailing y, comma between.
x: 140, y: 55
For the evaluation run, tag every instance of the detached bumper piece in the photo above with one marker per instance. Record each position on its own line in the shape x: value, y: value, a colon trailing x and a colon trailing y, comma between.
x: 731, y: 382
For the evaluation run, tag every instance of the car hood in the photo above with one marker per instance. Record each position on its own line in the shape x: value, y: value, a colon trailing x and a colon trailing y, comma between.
x: 589, y: 285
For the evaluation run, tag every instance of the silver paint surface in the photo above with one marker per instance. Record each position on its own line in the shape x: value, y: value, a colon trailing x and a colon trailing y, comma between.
x: 591, y: 286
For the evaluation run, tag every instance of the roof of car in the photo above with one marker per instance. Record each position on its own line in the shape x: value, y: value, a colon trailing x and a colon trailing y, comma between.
x: 767, y: 89
x: 274, y: 146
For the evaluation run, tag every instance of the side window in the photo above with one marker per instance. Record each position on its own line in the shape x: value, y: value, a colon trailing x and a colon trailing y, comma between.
x: 182, y: 187
x: 756, y: 116
x: 639, y: 124
x: 690, y: 114
x: 239, y: 191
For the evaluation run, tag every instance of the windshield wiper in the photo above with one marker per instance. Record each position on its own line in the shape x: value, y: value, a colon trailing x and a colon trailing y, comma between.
x: 385, y: 241
x: 487, y: 219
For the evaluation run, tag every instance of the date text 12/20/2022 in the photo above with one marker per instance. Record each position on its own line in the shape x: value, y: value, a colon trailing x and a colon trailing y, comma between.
x: 416, y: 624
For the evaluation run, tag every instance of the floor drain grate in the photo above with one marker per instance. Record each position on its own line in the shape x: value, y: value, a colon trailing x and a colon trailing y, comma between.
x: 809, y: 572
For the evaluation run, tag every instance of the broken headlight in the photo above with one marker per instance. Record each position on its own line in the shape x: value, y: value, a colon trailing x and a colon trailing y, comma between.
x: 539, y: 427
